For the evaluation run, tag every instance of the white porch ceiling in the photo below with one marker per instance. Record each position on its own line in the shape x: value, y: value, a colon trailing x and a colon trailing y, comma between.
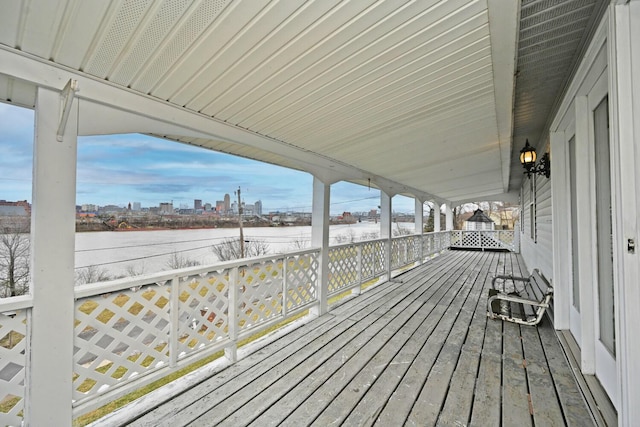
x: 417, y: 94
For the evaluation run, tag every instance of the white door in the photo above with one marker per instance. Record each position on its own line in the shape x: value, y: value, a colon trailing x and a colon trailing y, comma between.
x: 604, y: 305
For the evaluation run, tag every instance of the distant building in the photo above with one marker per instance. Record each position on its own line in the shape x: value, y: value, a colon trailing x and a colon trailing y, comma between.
x: 207, y: 207
x: 257, y: 208
x: 22, y: 203
x: 479, y: 221
x: 220, y: 206
x: 166, y: 208
x: 227, y: 203
x: 197, y: 204
x: 109, y: 209
x: 88, y: 208
x: 136, y: 207
x: 8, y: 210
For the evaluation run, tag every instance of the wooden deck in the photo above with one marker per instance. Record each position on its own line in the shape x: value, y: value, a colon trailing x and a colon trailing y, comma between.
x: 416, y: 351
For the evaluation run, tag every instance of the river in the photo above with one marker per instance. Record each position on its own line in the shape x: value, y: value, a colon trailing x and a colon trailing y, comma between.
x: 119, y: 253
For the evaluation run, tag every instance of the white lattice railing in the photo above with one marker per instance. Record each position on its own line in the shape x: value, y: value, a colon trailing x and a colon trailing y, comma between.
x: 351, y: 265
x: 130, y: 332
x: 486, y: 239
x: 14, y: 315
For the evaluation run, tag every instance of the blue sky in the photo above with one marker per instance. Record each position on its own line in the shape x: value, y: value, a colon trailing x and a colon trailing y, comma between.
x: 118, y: 169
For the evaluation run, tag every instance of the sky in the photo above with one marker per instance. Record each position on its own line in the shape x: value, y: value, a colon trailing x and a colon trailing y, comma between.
x: 122, y: 169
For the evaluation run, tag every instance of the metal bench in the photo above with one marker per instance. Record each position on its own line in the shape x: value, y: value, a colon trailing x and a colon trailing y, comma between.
x: 524, y: 306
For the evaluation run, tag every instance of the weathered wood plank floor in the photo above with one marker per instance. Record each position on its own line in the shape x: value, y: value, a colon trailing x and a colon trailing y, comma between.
x: 417, y: 351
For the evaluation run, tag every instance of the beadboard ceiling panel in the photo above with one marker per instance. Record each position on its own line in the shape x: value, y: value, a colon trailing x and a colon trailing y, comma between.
x: 416, y: 93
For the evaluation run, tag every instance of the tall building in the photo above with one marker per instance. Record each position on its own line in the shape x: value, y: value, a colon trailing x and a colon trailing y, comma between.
x: 227, y: 202
x: 220, y: 206
x: 257, y: 207
x: 197, y: 204
x: 166, y: 208
x: 137, y: 207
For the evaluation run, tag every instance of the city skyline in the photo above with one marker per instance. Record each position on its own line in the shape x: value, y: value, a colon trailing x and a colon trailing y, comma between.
x: 122, y: 169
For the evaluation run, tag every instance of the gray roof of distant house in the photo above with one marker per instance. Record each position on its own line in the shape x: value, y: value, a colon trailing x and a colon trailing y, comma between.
x: 12, y: 211
x: 479, y: 216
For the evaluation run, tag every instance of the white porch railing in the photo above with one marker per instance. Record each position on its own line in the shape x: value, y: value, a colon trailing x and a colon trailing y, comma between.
x: 484, y: 239
x: 133, y: 331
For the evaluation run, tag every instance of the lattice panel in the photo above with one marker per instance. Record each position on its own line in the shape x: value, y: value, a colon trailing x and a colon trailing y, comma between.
x: 260, y: 293
x: 456, y: 238
x: 204, y: 310
x: 498, y: 239
x: 118, y: 336
x: 397, y: 252
x: 13, y: 342
x: 343, y: 268
x: 373, y: 256
x: 302, y: 280
x: 506, y: 238
x: 428, y: 244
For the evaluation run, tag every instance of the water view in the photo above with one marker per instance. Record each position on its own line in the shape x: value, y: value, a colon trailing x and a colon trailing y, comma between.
x: 143, y: 252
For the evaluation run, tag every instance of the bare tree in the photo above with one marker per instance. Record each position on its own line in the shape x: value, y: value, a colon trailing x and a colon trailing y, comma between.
x: 299, y: 243
x: 348, y: 237
x: 178, y: 261
x: 92, y: 274
x: 400, y: 231
x: 230, y: 249
x: 14, y: 259
x: 369, y: 235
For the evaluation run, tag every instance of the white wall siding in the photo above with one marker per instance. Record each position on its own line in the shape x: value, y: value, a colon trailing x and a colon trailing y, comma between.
x: 537, y: 251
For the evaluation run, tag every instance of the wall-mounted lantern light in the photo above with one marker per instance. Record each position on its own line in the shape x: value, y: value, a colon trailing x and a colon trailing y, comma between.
x: 528, y: 159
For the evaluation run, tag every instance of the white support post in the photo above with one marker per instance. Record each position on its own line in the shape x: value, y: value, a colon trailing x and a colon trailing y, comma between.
x: 285, y: 291
x: 385, y: 229
x: 586, y: 228
x: 624, y: 92
x: 449, y: 217
x: 231, y: 351
x: 419, y: 227
x: 320, y: 238
x: 436, y: 218
x: 174, y: 320
x: 358, y: 290
x: 49, y: 388
x: 561, y: 213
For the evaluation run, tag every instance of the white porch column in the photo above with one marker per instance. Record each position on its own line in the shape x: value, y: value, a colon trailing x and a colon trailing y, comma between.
x: 624, y: 92
x: 50, y: 356
x: 320, y: 238
x: 449, y: 217
x: 419, y: 217
x: 561, y: 213
x: 436, y: 218
x: 385, y: 228
x: 419, y: 226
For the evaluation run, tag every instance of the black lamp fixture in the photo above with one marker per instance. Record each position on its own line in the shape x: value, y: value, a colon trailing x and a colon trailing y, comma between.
x: 528, y: 159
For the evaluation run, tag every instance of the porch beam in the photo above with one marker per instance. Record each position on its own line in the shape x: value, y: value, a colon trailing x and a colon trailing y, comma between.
x: 320, y: 238
x: 436, y: 218
x: 50, y: 355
